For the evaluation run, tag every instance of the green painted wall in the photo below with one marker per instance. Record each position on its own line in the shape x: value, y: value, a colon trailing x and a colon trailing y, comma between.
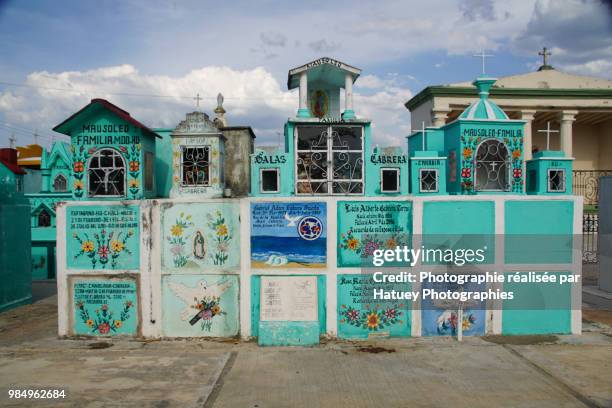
x: 460, y: 225
x: 15, y: 242
x: 163, y: 162
x: 538, y: 308
x: 538, y: 231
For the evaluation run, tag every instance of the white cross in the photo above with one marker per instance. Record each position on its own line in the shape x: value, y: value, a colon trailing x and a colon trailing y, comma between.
x: 12, y: 140
x: 423, y: 131
x: 483, y: 55
x: 548, y: 131
x: 493, y: 164
x: 197, y: 99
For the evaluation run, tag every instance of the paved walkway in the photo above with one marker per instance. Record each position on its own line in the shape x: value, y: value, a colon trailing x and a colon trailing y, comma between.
x: 564, y: 371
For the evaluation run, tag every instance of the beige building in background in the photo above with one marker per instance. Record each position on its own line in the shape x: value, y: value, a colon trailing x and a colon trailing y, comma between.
x: 579, y: 107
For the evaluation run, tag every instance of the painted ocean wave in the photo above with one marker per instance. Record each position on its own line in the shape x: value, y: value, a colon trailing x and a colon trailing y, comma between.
x: 294, y: 249
x: 264, y: 256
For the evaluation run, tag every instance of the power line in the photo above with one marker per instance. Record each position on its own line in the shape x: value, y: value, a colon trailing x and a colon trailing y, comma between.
x: 134, y: 94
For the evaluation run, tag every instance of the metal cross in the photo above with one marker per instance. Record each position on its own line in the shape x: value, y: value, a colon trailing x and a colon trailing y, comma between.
x: 548, y: 131
x: 545, y: 55
x: 12, y: 140
x: 198, y: 99
x: 422, y: 130
x: 483, y: 55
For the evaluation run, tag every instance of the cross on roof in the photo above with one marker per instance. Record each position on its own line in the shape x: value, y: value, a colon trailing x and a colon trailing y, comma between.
x: 548, y: 131
x: 423, y: 130
x: 483, y: 55
x: 12, y: 140
x: 198, y: 98
x: 545, y: 54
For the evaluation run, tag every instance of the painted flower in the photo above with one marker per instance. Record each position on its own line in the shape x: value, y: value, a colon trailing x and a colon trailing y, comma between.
x: 103, y: 328
x: 134, y: 166
x: 466, y: 324
x: 516, y: 154
x: 80, y: 304
x: 91, y: 150
x: 176, y: 230
x: 352, y: 244
x: 391, y: 243
x: 222, y: 247
x: 78, y: 185
x: 123, y: 149
x: 215, y: 310
x: 118, y: 324
x: 103, y: 251
x: 369, y: 248
x: 466, y: 172
x: 390, y: 313
x: 134, y: 183
x: 104, y: 307
x: 467, y: 152
x: 78, y: 167
x: 222, y: 230
x: 207, y: 315
x: 352, y: 315
x: 87, y: 246
x: 176, y: 249
x: 517, y: 173
x: 90, y: 323
x: 373, y: 320
x: 199, y: 306
x: 117, y: 245
x: 128, y: 304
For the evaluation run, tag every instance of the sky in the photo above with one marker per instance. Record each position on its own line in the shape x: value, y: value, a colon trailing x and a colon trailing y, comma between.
x: 151, y: 57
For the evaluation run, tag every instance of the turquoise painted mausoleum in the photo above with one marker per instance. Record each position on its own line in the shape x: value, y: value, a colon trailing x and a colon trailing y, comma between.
x: 194, y: 232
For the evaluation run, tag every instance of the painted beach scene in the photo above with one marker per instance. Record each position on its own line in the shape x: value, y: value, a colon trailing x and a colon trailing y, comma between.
x: 288, y: 235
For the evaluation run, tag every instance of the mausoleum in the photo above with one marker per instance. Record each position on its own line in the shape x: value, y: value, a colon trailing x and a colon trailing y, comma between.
x: 293, y: 261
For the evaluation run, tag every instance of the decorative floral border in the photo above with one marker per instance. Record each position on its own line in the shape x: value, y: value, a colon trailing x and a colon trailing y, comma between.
x: 514, y: 145
x: 372, y: 319
x: 103, y: 247
x: 103, y: 322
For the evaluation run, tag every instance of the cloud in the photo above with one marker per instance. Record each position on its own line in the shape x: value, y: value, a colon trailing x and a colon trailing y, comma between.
x: 477, y: 9
x: 323, y: 46
x: 252, y: 97
x: 273, y: 39
x: 578, y: 33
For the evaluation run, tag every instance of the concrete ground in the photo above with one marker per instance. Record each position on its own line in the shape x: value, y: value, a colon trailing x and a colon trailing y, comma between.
x: 545, y: 371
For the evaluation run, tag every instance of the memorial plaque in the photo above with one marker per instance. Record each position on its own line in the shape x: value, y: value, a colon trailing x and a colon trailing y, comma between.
x: 289, y: 298
x: 104, y: 307
x: 362, y: 316
x: 366, y: 226
x: 288, y: 235
x: 102, y: 237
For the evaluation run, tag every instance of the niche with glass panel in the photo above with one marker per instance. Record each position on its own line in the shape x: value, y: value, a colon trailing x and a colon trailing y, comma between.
x: 556, y: 180
x: 106, y: 174
x: 492, y: 166
x: 329, y: 159
x: 60, y: 183
x: 195, y: 166
x: 389, y: 180
x: 44, y: 218
x: 428, y: 180
x: 269, y: 179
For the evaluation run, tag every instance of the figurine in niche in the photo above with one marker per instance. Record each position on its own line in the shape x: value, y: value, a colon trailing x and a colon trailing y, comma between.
x: 199, y: 246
